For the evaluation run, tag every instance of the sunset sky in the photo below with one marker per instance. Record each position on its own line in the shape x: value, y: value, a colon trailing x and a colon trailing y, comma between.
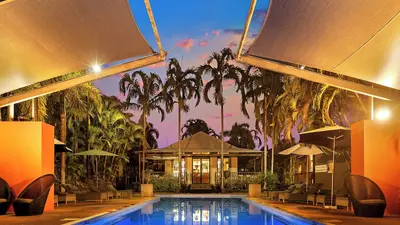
x: 190, y: 31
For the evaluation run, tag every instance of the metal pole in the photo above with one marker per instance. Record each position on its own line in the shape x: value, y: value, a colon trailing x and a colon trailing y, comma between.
x: 372, y: 108
x: 307, y: 158
x: 333, y: 169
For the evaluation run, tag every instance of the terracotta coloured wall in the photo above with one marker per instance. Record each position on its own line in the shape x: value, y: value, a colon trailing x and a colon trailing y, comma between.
x: 26, y: 153
x: 375, y: 153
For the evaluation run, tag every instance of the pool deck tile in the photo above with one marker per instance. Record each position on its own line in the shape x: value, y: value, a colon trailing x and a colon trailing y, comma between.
x: 327, y: 216
x: 72, y: 212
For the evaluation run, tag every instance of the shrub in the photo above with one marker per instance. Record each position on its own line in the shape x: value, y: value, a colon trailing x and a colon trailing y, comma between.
x: 241, y: 184
x: 166, y: 183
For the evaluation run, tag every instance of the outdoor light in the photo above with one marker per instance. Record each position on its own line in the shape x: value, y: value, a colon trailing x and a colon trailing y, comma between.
x: 382, y: 114
x: 302, y: 67
x: 96, y: 68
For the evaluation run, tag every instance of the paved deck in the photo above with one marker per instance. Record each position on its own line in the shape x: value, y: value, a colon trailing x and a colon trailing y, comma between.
x: 71, y: 212
x: 327, y: 216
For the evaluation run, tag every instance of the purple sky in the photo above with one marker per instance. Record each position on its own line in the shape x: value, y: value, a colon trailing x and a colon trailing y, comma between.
x: 190, y: 32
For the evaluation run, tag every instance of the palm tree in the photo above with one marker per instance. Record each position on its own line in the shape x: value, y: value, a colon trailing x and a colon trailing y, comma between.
x: 180, y: 87
x: 262, y: 87
x: 152, y: 134
x: 143, y: 92
x: 193, y: 126
x: 241, y: 136
x: 219, y: 68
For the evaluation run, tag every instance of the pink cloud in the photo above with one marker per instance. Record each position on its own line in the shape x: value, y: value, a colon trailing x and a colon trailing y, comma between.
x: 232, y: 44
x: 206, y: 34
x: 203, y: 43
x: 121, y: 97
x: 226, y: 115
x: 204, y: 56
x: 228, y: 83
x: 216, y: 32
x: 186, y: 44
x: 157, y: 65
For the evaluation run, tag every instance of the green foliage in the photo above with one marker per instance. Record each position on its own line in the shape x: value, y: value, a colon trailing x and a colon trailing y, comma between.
x: 165, y: 183
x: 193, y: 126
x: 241, y: 184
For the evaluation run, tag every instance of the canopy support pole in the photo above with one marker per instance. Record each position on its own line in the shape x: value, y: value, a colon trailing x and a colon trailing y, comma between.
x: 246, y: 27
x: 381, y: 93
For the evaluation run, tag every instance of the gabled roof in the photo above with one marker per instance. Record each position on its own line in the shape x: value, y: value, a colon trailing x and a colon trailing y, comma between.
x: 201, y: 143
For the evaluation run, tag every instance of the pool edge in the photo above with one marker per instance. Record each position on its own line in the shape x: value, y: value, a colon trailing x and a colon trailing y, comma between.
x: 131, y: 208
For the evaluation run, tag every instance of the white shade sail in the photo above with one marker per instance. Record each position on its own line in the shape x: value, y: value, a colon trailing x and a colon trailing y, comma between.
x: 42, y: 39
x: 302, y: 149
x: 356, y: 38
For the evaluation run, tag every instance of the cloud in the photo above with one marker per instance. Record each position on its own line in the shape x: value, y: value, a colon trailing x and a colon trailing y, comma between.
x: 203, y: 43
x: 186, y: 44
x: 157, y: 65
x: 228, y: 83
x: 206, y: 34
x: 216, y: 32
x: 204, y: 56
x: 226, y: 115
x: 260, y: 14
x: 232, y: 44
x: 254, y: 35
x: 233, y: 31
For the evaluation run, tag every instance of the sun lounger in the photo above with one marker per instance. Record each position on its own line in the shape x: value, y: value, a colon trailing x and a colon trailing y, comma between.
x: 6, y: 196
x: 274, y: 195
x: 299, y: 194
x: 56, y: 200
x: 312, y: 192
x: 90, y: 193
x: 33, y: 198
x: 366, y: 197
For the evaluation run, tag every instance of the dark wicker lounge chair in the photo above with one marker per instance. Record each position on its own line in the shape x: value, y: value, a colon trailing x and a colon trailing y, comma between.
x: 367, y: 198
x: 6, y: 196
x: 32, y: 199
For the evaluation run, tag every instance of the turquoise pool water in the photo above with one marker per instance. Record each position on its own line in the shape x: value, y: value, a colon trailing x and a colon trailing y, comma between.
x: 199, y: 212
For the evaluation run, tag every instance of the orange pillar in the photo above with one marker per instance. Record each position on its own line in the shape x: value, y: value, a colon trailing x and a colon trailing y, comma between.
x: 375, y: 153
x: 26, y: 153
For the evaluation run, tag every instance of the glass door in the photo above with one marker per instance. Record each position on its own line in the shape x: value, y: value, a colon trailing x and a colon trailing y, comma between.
x: 196, y: 171
x: 205, y: 171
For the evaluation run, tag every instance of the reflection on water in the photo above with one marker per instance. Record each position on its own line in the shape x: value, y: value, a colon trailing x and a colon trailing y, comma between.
x: 201, y: 212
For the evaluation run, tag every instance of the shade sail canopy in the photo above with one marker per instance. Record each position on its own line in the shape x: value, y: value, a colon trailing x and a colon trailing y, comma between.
x: 302, y: 149
x: 323, y: 136
x: 95, y: 153
x: 357, y: 38
x: 61, y: 146
x: 202, y: 143
x: 42, y: 39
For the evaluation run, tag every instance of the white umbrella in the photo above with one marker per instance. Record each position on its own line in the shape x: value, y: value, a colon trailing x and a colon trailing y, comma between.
x: 328, y: 136
x: 303, y: 149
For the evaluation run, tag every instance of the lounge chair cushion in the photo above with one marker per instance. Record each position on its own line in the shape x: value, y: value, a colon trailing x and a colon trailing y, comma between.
x: 94, y: 188
x: 3, y: 200
x: 372, y: 201
x: 111, y: 188
x: 24, y: 200
x: 291, y: 187
x: 297, y: 191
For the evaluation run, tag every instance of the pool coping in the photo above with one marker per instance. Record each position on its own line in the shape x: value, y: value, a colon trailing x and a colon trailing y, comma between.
x: 117, y: 212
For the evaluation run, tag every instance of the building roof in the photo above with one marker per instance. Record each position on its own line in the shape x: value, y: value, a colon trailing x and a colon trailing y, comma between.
x: 357, y: 38
x: 202, y: 143
x: 43, y: 39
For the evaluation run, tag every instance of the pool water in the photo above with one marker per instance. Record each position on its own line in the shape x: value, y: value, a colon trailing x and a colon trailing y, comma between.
x: 199, y: 212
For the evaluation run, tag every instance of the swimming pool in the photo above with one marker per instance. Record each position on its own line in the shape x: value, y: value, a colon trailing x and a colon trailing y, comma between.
x: 197, y: 211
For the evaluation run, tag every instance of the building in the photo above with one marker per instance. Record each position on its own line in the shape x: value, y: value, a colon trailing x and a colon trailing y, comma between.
x: 201, y: 160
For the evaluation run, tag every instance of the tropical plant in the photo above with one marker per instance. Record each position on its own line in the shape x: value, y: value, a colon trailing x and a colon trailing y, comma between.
x: 219, y: 68
x: 180, y: 87
x: 143, y: 92
x: 193, y: 126
x: 241, y: 136
x: 152, y: 134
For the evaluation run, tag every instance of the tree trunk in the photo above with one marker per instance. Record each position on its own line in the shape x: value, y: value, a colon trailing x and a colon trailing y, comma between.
x: 272, y: 149
x: 144, y: 146
x: 265, y: 143
x: 179, y: 145
x: 222, y: 146
x: 63, y: 121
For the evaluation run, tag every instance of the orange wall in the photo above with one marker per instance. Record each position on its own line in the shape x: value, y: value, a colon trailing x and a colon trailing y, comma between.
x: 375, y: 153
x: 26, y: 153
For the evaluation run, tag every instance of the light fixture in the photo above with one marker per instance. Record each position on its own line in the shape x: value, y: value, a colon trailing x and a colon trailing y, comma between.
x: 302, y: 67
x: 96, y: 68
x: 382, y: 114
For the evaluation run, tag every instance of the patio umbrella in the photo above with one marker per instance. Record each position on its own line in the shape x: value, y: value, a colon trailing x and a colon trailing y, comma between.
x: 61, y: 146
x: 95, y: 153
x: 331, y: 137
x: 303, y: 149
